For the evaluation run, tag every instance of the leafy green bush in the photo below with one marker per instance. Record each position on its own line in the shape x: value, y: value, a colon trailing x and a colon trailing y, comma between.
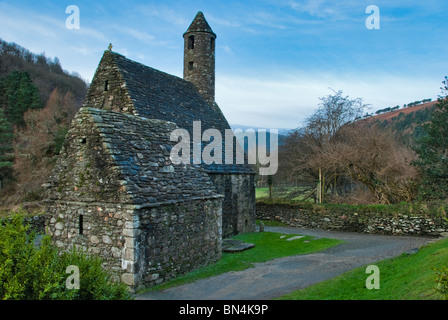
x: 95, y: 283
x: 33, y: 269
x: 442, y: 281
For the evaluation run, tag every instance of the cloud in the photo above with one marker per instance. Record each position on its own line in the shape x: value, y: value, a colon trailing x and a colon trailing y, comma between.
x: 266, y: 19
x: 138, y: 35
x: 228, y: 23
x: 321, y: 8
x: 286, y: 100
x: 227, y: 49
x: 165, y: 13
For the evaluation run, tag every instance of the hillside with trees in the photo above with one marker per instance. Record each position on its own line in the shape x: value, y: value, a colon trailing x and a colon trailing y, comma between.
x: 339, y: 156
x: 38, y: 100
x: 407, y: 121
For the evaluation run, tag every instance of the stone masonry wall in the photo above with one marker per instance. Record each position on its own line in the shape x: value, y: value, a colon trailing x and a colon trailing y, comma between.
x: 105, y: 230
x: 368, y: 222
x: 176, y: 239
x: 238, y: 213
x: 108, y: 90
x: 141, y: 246
x: 199, y: 63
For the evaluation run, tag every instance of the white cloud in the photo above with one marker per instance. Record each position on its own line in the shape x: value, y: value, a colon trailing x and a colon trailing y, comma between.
x: 227, y: 49
x: 286, y: 101
x: 138, y: 35
x: 165, y: 13
x: 228, y: 23
x: 321, y: 8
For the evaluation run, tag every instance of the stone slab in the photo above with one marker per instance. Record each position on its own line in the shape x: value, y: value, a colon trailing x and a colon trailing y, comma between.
x: 232, y: 246
x: 295, y: 238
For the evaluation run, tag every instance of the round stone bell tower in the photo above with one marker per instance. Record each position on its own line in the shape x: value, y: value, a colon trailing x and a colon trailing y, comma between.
x: 199, y: 57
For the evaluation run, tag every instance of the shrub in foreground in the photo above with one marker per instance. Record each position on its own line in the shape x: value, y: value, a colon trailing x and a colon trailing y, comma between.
x: 442, y: 281
x: 31, y: 268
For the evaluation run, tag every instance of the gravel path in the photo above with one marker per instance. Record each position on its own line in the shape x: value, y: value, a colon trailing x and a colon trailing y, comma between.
x: 280, y: 276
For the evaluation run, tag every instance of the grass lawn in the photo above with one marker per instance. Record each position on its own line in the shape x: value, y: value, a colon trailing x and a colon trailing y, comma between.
x: 407, y: 277
x: 282, y: 192
x: 268, y: 246
x: 261, y: 192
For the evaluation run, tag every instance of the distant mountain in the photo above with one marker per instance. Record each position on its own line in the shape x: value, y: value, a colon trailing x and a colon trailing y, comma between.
x: 406, y: 121
x: 282, y: 133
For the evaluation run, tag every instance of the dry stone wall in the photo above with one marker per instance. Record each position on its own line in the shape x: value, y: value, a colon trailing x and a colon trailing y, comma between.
x: 348, y: 220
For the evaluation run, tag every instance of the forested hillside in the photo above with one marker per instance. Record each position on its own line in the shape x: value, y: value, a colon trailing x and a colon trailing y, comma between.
x: 407, y: 121
x: 38, y: 99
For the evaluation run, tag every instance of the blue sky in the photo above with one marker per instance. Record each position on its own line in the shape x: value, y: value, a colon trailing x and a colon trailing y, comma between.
x: 274, y: 59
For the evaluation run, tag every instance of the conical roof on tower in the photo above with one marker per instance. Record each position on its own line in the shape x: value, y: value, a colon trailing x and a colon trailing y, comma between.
x: 199, y: 24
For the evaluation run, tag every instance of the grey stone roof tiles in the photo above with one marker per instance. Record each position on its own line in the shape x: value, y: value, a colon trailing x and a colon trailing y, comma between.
x: 200, y: 24
x: 139, y: 151
x: 158, y: 95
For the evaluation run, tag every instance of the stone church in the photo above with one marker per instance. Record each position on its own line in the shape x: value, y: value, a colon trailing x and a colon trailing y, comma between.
x: 115, y: 191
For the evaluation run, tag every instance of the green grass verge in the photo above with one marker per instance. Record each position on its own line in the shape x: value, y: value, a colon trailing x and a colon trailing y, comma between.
x: 282, y: 193
x: 268, y: 246
x: 407, y: 277
x: 261, y: 193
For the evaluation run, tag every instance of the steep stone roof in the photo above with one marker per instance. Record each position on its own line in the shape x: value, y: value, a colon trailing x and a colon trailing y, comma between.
x: 127, y: 159
x: 199, y: 24
x: 158, y: 95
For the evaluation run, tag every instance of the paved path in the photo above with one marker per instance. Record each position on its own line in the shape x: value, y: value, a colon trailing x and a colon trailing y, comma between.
x: 280, y: 276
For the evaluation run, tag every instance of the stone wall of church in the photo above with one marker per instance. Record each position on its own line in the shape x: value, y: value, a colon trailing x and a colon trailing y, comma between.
x: 142, y: 247
x: 238, y: 212
x: 108, y: 90
x: 105, y: 230
x: 172, y: 240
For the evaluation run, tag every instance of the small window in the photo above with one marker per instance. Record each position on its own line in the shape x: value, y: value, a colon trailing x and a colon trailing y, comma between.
x: 190, y: 65
x: 212, y: 43
x: 106, y: 86
x: 191, y: 42
x: 81, y: 224
x: 83, y: 140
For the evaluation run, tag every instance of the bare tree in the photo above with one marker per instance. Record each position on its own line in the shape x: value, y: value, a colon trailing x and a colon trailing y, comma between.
x: 334, y: 151
x: 373, y: 157
x: 334, y: 112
